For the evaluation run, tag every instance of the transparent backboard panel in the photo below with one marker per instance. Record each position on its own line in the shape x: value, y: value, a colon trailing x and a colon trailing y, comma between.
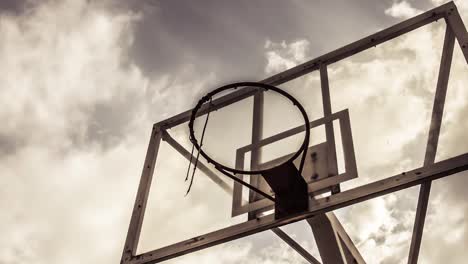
x: 171, y: 216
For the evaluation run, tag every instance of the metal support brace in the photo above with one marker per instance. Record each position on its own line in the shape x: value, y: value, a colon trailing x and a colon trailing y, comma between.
x: 432, y: 142
x: 295, y: 245
x: 350, y: 251
x: 334, y: 244
x: 327, y: 240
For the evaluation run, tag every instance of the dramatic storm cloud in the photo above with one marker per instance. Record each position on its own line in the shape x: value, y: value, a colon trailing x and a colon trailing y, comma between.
x: 83, y: 82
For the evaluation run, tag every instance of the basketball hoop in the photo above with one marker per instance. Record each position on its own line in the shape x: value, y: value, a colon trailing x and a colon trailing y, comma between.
x: 243, y: 85
x: 290, y: 188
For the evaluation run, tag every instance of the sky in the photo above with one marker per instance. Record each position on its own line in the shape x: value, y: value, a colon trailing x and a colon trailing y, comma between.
x: 83, y: 82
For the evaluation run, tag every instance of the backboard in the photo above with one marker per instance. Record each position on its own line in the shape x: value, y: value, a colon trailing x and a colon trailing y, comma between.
x: 321, y: 170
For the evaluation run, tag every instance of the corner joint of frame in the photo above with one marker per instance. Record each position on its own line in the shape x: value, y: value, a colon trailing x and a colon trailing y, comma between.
x: 127, y: 257
x: 449, y: 9
x: 158, y: 128
x: 451, y: 6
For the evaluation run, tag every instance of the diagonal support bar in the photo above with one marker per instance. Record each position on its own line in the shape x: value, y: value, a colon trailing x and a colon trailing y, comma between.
x: 432, y: 142
x: 186, y: 154
x: 327, y: 240
x: 350, y: 250
x: 299, y: 249
x: 334, y: 244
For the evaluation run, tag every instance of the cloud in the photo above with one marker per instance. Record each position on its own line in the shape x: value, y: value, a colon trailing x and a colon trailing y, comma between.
x: 82, y: 86
x: 58, y: 71
x: 65, y: 71
x: 402, y: 9
x: 76, y: 118
x: 282, y: 56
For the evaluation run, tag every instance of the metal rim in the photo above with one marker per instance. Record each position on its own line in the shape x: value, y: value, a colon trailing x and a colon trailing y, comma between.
x: 243, y: 85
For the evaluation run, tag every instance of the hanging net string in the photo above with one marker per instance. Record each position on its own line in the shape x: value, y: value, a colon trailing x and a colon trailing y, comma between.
x: 198, y: 154
x: 190, y: 162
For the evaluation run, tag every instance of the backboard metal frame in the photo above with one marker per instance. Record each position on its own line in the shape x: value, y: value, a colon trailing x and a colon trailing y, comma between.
x: 422, y: 176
